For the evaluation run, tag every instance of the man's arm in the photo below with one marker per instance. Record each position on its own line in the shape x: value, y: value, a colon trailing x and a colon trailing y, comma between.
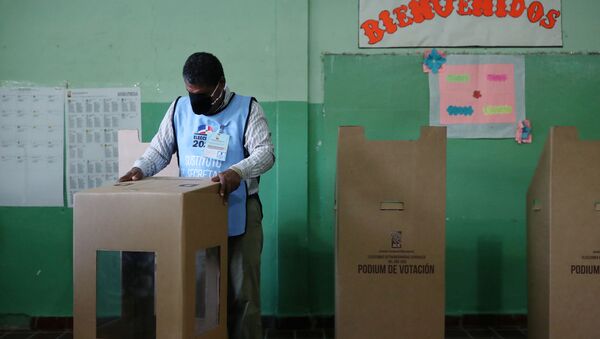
x: 258, y: 143
x: 261, y: 153
x: 158, y: 155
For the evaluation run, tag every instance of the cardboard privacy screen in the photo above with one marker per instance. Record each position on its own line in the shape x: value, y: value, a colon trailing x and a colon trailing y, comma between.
x: 563, y: 239
x: 390, y: 236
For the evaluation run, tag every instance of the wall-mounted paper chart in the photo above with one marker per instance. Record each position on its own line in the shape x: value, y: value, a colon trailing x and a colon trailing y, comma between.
x: 31, y: 146
x: 94, y: 116
x: 478, y: 96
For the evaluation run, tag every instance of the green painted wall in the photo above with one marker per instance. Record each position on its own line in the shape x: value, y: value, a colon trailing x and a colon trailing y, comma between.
x: 487, y: 180
x: 278, y: 51
x: 145, y: 42
x: 36, y: 261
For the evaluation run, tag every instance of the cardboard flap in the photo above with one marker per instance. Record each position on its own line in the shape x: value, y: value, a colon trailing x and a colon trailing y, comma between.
x: 131, y: 149
x: 400, y: 167
x: 564, y: 133
x: 350, y: 134
x: 435, y: 134
x: 428, y: 134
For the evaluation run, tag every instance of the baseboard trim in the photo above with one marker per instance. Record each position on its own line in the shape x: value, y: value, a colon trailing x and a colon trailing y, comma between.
x: 487, y: 320
x: 451, y: 321
x: 51, y: 323
x: 310, y: 322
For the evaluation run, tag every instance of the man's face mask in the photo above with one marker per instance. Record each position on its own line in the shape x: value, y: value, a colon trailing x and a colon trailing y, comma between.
x: 202, y: 103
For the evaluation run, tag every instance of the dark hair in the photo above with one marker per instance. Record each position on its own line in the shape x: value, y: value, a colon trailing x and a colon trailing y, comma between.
x: 203, y: 69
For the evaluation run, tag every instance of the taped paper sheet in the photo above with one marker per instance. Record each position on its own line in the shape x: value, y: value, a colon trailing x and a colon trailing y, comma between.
x: 31, y: 146
x: 94, y: 116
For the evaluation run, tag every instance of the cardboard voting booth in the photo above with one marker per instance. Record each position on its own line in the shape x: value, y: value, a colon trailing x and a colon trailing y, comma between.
x: 563, y: 235
x: 150, y: 260
x: 390, y: 236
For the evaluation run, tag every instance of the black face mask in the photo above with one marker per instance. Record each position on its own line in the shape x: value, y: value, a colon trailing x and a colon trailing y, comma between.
x: 201, y: 103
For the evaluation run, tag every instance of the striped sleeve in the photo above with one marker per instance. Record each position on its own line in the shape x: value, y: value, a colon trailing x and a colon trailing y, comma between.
x: 258, y: 143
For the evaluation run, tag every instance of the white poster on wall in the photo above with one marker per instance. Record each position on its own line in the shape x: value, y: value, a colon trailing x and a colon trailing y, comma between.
x: 438, y: 23
x: 31, y: 146
x: 94, y: 117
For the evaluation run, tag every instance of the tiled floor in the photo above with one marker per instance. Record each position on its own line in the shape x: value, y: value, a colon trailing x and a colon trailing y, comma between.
x: 21, y: 334
x: 451, y: 333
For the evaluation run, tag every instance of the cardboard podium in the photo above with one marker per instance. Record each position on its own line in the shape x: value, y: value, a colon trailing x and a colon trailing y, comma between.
x: 150, y: 260
x: 563, y: 236
x: 390, y: 236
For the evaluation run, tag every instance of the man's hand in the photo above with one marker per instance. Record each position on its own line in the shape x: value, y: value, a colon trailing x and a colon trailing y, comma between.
x: 230, y: 181
x: 133, y: 175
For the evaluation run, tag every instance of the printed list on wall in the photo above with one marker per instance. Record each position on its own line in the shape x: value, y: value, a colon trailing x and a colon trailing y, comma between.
x: 94, y: 117
x: 31, y: 146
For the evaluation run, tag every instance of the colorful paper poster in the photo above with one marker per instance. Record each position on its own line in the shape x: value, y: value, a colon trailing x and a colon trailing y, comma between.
x: 94, y: 117
x: 31, y: 146
x: 478, y: 96
x: 419, y: 23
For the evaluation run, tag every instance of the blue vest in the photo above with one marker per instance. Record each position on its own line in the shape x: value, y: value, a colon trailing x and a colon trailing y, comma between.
x: 192, y: 131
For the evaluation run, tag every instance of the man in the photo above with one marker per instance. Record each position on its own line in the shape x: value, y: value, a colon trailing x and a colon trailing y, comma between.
x: 236, y: 130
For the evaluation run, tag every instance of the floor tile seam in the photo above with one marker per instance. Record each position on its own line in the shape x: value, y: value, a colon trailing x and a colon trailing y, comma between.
x: 496, y: 333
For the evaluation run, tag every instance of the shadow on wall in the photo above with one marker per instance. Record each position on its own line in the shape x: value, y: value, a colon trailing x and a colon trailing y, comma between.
x: 293, y: 294
x: 489, y: 275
